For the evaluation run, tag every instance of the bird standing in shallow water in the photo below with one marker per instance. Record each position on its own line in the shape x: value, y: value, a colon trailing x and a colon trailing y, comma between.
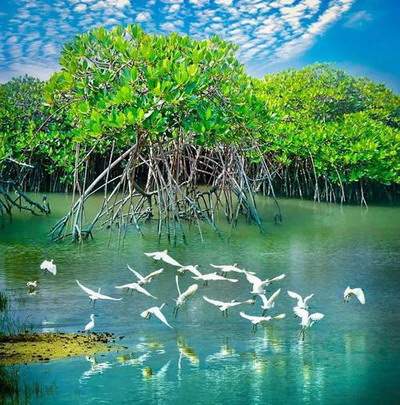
x: 354, y: 292
x: 32, y: 285
x: 90, y: 325
x: 49, y: 266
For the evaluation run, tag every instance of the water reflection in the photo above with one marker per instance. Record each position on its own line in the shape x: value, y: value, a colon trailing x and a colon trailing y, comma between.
x: 95, y: 368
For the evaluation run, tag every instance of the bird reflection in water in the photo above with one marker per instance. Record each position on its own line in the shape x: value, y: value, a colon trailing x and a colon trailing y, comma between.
x: 187, y: 352
x: 225, y: 352
x: 95, y: 368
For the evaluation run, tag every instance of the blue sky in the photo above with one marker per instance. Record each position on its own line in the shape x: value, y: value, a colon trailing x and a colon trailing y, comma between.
x: 361, y: 36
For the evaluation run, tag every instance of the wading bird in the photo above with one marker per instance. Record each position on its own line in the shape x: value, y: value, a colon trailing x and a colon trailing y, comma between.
x: 213, y: 277
x: 224, y: 306
x: 301, y: 303
x: 136, y: 287
x: 259, y: 285
x: 90, y: 325
x: 354, y: 292
x: 183, y: 297
x: 260, y: 320
x: 156, y: 311
x: 93, y: 295
x: 228, y: 268
x: 145, y: 279
x: 49, y: 266
x: 307, y: 319
x: 268, y: 303
x: 165, y: 257
x: 32, y: 285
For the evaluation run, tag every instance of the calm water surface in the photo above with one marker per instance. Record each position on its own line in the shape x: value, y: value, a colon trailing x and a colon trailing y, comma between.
x: 351, y: 356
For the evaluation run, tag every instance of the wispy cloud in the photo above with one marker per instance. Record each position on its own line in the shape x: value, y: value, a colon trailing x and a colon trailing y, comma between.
x: 270, y: 31
x: 358, y: 19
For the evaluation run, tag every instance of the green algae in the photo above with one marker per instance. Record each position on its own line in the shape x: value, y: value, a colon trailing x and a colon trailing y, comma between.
x: 38, y: 347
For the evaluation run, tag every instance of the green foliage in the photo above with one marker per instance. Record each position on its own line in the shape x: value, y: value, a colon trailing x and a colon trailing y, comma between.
x: 122, y: 85
x: 21, y: 111
x: 349, y: 126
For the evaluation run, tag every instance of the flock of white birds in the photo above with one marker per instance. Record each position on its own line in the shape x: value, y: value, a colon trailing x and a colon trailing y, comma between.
x: 258, y: 290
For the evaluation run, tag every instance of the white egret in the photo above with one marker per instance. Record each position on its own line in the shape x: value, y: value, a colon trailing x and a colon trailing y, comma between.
x: 136, y: 287
x: 165, y: 257
x: 224, y: 306
x: 183, y: 297
x: 268, y: 303
x: 32, y: 284
x: 258, y: 284
x: 90, y: 325
x: 354, y: 292
x: 156, y: 311
x: 93, y: 295
x: 228, y: 268
x: 191, y: 269
x: 307, y: 319
x: 260, y: 320
x: 301, y: 303
x: 49, y: 266
x: 145, y: 279
x: 213, y: 277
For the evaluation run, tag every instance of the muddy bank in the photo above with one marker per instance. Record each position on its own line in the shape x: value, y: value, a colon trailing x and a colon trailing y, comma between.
x: 36, y: 347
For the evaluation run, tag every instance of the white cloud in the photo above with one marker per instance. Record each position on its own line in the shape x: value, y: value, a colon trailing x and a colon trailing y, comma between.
x: 358, y: 19
x: 143, y: 16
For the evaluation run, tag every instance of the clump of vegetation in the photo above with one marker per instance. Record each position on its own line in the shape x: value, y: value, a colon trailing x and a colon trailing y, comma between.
x: 148, y: 119
x: 3, y: 302
x: 35, y: 347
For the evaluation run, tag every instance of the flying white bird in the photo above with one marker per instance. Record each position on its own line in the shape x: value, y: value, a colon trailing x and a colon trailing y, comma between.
x: 354, y: 292
x: 191, y: 269
x: 258, y: 284
x: 301, y: 303
x: 224, y: 306
x: 259, y: 320
x: 32, y: 284
x: 49, y: 266
x: 268, y: 303
x: 228, y: 268
x: 90, y: 325
x: 145, y: 279
x: 156, y: 311
x: 93, y: 295
x: 213, y: 277
x: 136, y: 287
x: 165, y: 257
x: 307, y: 319
x: 183, y: 297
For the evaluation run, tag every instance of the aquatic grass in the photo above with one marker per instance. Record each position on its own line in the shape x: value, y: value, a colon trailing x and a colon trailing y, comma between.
x: 3, y: 302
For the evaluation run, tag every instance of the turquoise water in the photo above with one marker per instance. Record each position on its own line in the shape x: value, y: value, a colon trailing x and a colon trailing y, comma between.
x: 351, y: 356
